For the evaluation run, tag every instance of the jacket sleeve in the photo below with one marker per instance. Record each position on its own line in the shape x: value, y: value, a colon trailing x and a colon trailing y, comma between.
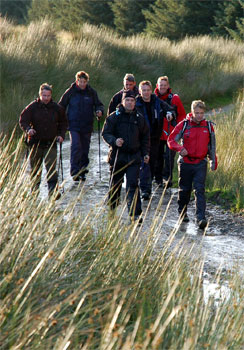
x: 167, y: 108
x: 181, y: 113
x: 113, y: 104
x: 62, y: 122
x: 145, y: 138
x: 108, y: 131
x: 175, y: 137
x: 98, y: 104
x: 64, y: 100
x: 26, y: 118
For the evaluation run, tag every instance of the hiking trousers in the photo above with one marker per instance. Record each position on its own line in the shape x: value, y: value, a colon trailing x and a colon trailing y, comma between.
x: 132, y: 189
x: 40, y: 153
x: 80, y: 145
x: 192, y: 174
x: 165, y: 163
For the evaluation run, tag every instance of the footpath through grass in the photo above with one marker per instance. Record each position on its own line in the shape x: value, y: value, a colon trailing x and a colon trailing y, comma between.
x: 73, y: 282
x: 200, y: 67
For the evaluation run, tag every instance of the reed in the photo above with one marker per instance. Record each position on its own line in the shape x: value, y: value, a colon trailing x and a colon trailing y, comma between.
x: 89, y: 281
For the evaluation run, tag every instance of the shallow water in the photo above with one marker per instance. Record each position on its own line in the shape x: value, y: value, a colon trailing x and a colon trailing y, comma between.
x: 222, y: 244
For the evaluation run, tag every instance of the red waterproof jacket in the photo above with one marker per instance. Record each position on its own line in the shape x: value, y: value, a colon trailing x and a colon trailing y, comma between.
x: 174, y: 101
x: 196, y: 139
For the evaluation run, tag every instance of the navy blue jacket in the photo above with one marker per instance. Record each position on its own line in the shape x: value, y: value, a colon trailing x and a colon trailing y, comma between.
x: 159, y: 110
x: 81, y: 105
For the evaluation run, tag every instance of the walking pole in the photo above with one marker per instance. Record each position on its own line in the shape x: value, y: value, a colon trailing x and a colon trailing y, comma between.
x: 60, y: 164
x: 169, y: 157
x: 99, y: 148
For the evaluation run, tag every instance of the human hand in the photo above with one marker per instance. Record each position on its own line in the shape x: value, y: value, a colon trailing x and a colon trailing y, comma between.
x: 99, y: 114
x: 119, y: 142
x: 31, y: 132
x: 146, y: 159
x: 169, y: 116
x: 60, y: 139
x: 183, y: 152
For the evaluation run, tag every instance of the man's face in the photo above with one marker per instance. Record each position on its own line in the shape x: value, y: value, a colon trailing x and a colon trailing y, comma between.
x: 129, y: 103
x: 45, y: 96
x: 129, y: 85
x: 146, y: 92
x: 82, y: 83
x: 163, y: 86
x: 198, y: 115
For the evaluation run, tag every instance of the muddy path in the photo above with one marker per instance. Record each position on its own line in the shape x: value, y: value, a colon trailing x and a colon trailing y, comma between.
x: 222, y: 244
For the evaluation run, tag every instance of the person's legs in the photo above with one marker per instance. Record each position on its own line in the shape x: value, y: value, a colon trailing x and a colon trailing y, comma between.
x: 145, y: 180
x: 160, y: 163
x: 116, y: 180
x: 132, y: 189
x: 85, y: 147
x: 185, y: 186
x: 169, y: 165
x: 199, y: 189
x: 75, y: 156
x: 36, y: 158
x: 50, y: 164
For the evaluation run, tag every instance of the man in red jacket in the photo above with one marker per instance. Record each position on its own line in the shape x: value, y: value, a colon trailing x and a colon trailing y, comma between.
x: 198, y: 142
x: 165, y: 161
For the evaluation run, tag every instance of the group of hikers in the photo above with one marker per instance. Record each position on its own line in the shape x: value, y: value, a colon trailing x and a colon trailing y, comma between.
x: 144, y: 130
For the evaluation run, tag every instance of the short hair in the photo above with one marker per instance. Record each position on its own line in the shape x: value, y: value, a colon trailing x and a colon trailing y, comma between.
x: 82, y: 74
x: 164, y: 77
x: 45, y: 86
x: 129, y: 77
x: 198, y: 104
x: 145, y: 82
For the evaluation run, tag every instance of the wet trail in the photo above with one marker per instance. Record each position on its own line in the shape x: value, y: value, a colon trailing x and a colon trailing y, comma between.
x: 221, y: 245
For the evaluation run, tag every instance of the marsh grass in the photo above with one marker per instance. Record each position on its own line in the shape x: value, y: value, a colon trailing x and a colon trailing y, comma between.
x: 200, y: 67
x: 229, y: 177
x: 89, y: 281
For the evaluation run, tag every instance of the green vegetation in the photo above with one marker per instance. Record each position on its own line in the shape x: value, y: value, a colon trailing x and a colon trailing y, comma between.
x: 197, y: 67
x: 227, y: 183
x: 73, y: 281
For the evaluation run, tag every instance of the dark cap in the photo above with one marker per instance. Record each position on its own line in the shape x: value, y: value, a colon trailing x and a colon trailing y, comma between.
x: 128, y: 93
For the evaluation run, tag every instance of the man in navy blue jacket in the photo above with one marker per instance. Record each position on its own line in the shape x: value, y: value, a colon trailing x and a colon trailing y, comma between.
x: 81, y: 101
x: 154, y: 111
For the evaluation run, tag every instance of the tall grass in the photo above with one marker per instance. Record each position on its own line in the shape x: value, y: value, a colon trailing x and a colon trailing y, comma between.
x: 200, y: 67
x: 229, y: 177
x: 73, y: 281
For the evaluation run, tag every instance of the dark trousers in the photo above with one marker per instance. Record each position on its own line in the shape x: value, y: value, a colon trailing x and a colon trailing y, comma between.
x: 192, y: 174
x: 49, y: 155
x: 132, y: 189
x: 80, y: 145
x: 165, y: 163
x: 147, y: 171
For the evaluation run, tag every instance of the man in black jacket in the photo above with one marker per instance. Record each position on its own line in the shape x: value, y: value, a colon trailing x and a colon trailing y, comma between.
x: 154, y: 110
x: 44, y: 122
x: 127, y: 133
x: 129, y: 84
x: 81, y: 101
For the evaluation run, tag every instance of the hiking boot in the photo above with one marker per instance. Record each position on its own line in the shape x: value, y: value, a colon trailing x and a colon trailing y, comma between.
x: 185, y: 218
x: 202, y: 223
x: 145, y: 195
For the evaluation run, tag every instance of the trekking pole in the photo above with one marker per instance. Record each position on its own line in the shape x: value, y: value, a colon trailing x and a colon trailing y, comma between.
x: 60, y: 164
x: 99, y: 148
x: 170, y: 167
